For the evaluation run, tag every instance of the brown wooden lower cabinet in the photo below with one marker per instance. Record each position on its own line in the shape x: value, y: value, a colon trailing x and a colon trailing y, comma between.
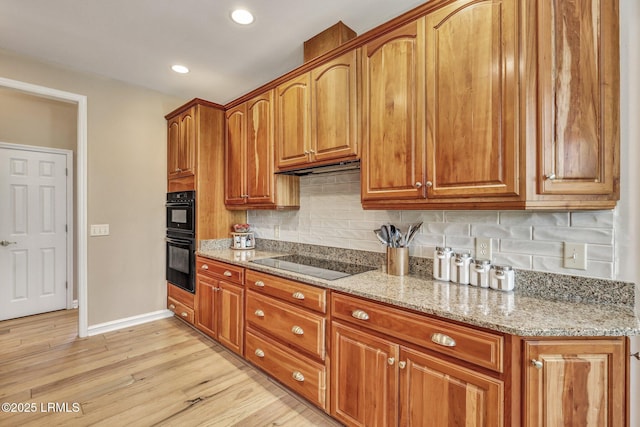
x: 219, y: 311
x: 579, y: 383
x: 434, y: 392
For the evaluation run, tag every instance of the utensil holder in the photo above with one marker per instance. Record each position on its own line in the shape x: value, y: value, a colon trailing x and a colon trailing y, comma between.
x: 397, y: 261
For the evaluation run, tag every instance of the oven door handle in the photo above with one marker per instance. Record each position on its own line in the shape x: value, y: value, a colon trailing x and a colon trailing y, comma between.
x: 178, y: 241
x: 179, y: 204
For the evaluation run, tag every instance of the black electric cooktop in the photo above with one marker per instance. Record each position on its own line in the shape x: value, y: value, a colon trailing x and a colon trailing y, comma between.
x: 315, y: 267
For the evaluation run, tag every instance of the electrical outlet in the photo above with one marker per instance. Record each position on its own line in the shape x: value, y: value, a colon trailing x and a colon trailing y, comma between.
x: 276, y: 231
x: 483, y: 248
x: 99, y: 229
x: 575, y: 255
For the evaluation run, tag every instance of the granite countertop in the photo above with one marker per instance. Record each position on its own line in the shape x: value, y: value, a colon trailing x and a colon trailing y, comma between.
x: 508, y: 312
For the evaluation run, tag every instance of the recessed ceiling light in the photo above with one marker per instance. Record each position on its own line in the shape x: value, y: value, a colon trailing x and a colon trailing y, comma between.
x: 180, y: 69
x: 242, y: 16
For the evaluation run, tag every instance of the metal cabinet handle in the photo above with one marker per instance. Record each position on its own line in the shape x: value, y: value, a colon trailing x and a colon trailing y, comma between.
x: 312, y: 151
x: 391, y: 360
x: 444, y: 340
x: 298, y: 295
x: 204, y: 267
x: 259, y: 313
x: 360, y: 315
x: 550, y: 176
x: 297, y: 330
x: 418, y: 184
x: 429, y: 184
x: 184, y: 314
x: 402, y: 365
x: 306, y: 153
x: 297, y: 375
x: 227, y: 273
x: 536, y: 364
x: 172, y: 307
x: 259, y: 283
x: 259, y: 353
x: 7, y: 243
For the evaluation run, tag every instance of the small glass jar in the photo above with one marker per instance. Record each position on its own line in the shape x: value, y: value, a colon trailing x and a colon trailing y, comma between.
x: 441, y: 263
x: 502, y: 278
x: 479, y: 273
x: 460, y: 263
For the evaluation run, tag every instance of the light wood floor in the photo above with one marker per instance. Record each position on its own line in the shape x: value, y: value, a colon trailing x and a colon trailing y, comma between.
x: 160, y: 373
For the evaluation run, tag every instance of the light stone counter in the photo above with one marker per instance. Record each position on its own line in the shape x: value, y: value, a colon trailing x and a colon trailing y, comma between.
x: 508, y: 312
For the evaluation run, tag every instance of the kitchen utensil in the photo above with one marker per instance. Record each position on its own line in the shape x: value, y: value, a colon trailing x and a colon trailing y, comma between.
x: 392, y: 236
x: 380, y: 237
x: 384, y: 233
x: 414, y: 230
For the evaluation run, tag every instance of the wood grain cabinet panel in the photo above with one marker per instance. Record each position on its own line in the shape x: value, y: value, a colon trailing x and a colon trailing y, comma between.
x: 472, y: 99
x: 574, y: 383
x: 578, y: 67
x: 250, y: 182
x: 181, y: 145
x: 434, y: 392
x: 293, y: 125
x: 393, y: 157
x: 364, y: 385
x: 291, y: 291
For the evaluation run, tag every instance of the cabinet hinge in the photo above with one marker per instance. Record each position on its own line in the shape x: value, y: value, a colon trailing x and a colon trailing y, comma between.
x: 66, y: 228
x: 66, y: 285
x: 66, y: 171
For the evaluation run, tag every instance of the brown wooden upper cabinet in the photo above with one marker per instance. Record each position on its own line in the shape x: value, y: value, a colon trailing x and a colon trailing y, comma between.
x: 578, y: 90
x: 181, y: 144
x: 494, y: 104
x: 249, y: 159
x: 317, y: 115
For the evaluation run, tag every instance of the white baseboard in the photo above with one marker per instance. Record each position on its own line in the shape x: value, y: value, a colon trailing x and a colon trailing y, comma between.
x: 114, y: 325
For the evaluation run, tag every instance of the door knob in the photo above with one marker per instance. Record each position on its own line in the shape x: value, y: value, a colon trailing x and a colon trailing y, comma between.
x: 7, y: 243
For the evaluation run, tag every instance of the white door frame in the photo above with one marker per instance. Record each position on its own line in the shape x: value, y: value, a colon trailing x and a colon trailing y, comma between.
x: 81, y: 188
x: 69, y: 208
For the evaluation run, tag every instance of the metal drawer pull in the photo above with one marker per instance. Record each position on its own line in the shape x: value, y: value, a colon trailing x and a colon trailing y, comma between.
x: 360, y: 315
x: 204, y: 267
x: 536, y: 363
x: 172, y: 307
x: 297, y: 330
x: 391, y: 361
x: 259, y: 353
x: 442, y: 339
x: 402, y: 365
x: 184, y: 314
x: 298, y: 295
x: 550, y: 176
x: 297, y: 375
x: 259, y: 283
x: 227, y: 273
x: 259, y: 313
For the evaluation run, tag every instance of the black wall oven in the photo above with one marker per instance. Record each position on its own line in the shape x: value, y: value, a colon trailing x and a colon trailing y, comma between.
x: 180, y: 240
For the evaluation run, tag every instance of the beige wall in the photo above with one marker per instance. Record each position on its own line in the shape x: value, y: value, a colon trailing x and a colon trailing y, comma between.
x: 126, y: 174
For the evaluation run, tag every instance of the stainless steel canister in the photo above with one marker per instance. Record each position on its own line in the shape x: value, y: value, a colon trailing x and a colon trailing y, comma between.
x: 502, y: 278
x: 460, y: 263
x: 441, y: 263
x: 479, y: 273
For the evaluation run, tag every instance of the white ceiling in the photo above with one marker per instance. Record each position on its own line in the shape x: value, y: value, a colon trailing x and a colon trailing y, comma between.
x: 137, y: 41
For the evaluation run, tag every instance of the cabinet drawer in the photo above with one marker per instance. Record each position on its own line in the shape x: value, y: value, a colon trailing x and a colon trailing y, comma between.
x: 220, y: 270
x: 299, y: 373
x: 291, y: 291
x: 465, y: 343
x: 181, y: 310
x: 180, y: 295
x: 292, y: 325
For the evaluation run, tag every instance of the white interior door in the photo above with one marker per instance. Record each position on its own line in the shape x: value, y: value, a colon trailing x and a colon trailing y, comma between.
x: 33, y: 237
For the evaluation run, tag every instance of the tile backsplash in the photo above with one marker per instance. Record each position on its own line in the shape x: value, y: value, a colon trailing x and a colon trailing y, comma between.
x: 331, y: 215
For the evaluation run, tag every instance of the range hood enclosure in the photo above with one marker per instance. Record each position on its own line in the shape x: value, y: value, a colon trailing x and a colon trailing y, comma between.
x: 315, y: 170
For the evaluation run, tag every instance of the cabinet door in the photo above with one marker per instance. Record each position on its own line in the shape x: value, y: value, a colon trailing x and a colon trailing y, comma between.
x: 293, y: 125
x: 574, y: 383
x: 181, y: 148
x: 334, y: 123
x: 235, y: 146
x: 259, y: 150
x: 578, y: 69
x: 231, y: 321
x: 438, y: 393
x: 472, y: 102
x: 364, y: 378
x: 393, y: 153
x: 205, y: 307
